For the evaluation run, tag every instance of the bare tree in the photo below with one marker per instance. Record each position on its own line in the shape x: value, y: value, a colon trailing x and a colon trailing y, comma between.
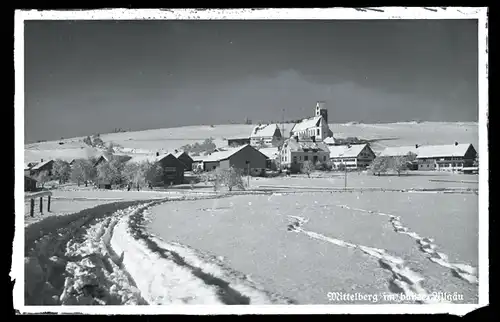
x: 212, y: 178
x: 231, y: 178
x: 61, y: 171
x: 153, y: 172
x: 111, y: 171
x: 83, y: 170
x: 134, y: 173
x: 379, y: 165
x: 43, y: 177
x: 307, y: 168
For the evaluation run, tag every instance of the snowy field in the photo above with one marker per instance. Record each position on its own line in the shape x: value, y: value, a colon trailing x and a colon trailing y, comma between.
x: 169, y: 139
x: 266, y: 248
x: 305, y: 245
x: 335, y: 180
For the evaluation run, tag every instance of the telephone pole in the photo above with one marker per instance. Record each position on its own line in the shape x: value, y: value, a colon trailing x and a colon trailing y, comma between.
x: 345, y: 177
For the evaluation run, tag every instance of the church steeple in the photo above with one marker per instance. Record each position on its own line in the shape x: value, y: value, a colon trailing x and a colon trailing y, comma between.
x: 322, y: 110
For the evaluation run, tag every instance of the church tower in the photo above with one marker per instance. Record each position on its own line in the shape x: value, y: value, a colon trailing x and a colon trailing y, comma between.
x: 321, y: 110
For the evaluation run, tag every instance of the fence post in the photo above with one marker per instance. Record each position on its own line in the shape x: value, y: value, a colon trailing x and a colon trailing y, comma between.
x: 41, y: 205
x: 32, y: 207
x: 48, y: 204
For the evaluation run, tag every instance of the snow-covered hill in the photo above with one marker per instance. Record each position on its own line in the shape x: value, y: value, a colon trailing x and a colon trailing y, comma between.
x: 169, y: 139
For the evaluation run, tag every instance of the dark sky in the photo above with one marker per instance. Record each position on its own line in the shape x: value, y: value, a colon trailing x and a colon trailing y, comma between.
x: 83, y: 77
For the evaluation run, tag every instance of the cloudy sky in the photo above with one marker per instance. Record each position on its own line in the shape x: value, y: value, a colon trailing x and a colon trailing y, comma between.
x: 83, y: 77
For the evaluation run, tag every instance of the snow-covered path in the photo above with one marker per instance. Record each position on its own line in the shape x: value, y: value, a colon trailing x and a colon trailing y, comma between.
x: 67, y: 259
x: 103, y: 256
x: 171, y: 273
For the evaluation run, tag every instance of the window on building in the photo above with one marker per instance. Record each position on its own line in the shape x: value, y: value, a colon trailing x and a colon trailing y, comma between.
x: 306, y: 157
x: 300, y: 158
x: 317, y: 132
x: 294, y: 159
x: 324, y: 158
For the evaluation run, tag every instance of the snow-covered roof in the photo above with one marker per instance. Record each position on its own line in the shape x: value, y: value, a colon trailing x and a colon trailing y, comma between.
x: 398, y: 151
x: 346, y: 151
x: 109, y: 156
x: 305, y: 144
x: 271, y: 153
x: 436, y: 151
x: 265, y: 130
x: 329, y: 140
x: 306, y: 124
x: 177, y: 154
x: 153, y: 158
x: 41, y: 164
x: 221, y: 155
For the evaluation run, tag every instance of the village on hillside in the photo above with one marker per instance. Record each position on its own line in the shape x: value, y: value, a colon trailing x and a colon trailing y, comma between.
x: 267, y: 151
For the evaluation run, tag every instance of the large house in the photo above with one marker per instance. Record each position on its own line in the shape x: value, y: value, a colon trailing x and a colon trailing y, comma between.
x: 315, y: 127
x: 266, y: 133
x: 296, y: 151
x: 245, y: 158
x: 446, y: 157
x: 358, y: 156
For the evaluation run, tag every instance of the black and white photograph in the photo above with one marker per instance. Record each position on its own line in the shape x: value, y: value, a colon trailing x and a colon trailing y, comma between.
x: 213, y: 161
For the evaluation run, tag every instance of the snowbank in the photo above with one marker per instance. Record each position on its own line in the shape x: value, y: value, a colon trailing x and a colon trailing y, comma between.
x: 70, y: 245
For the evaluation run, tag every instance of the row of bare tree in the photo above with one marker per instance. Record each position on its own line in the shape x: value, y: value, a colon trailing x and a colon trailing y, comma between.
x: 115, y: 172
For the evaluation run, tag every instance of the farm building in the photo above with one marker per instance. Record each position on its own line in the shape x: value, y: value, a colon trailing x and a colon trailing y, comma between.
x: 295, y: 152
x: 238, y: 142
x: 173, y: 169
x: 266, y: 134
x: 399, y: 151
x: 316, y: 126
x: 453, y: 157
x: 42, y: 166
x: 185, y: 159
x: 29, y: 184
x: 357, y: 156
x: 243, y: 158
x: 206, y: 162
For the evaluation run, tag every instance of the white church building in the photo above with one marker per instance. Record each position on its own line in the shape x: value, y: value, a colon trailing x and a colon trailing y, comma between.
x: 315, y: 127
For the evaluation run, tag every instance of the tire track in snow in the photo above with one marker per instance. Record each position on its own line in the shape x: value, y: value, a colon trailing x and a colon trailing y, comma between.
x: 172, y: 273
x: 403, y: 278
x: 427, y: 246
